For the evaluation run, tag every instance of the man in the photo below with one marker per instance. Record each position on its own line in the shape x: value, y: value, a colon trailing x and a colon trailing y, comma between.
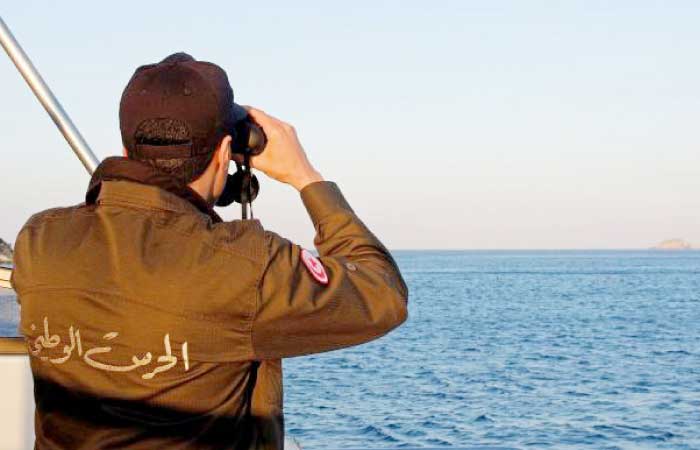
x: 152, y: 324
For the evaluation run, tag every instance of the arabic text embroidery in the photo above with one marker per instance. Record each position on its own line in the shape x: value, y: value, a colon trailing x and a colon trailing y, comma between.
x: 49, y: 341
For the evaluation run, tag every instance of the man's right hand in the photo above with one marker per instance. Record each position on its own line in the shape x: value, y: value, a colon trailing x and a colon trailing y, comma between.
x: 284, y: 158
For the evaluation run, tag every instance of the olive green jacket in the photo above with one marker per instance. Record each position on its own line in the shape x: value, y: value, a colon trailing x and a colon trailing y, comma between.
x: 150, y: 325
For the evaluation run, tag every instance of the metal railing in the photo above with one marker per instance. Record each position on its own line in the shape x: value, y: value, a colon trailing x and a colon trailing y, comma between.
x: 65, y: 125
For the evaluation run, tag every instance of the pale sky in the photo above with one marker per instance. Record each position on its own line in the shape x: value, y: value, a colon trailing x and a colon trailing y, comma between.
x: 447, y: 124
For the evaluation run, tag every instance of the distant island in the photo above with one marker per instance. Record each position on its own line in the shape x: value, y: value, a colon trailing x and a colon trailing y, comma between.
x: 5, y: 252
x: 673, y: 244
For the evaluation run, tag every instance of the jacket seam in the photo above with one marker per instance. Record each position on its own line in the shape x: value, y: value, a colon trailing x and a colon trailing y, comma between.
x: 137, y: 201
x: 133, y: 204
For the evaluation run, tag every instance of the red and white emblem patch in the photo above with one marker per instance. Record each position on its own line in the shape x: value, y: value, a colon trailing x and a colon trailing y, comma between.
x: 314, y: 266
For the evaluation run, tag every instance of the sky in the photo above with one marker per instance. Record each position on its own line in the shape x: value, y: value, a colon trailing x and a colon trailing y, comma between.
x: 447, y: 124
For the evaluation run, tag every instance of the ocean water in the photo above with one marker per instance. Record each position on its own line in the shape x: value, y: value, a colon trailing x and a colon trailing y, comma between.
x: 570, y: 349
x: 9, y: 313
x: 560, y: 349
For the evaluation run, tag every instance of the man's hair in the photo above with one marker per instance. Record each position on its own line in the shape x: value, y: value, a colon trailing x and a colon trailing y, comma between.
x: 168, y: 132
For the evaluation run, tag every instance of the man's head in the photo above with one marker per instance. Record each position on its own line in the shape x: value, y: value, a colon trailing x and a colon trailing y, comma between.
x: 178, y: 115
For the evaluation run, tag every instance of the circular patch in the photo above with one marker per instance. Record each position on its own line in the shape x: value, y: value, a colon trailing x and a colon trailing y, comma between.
x: 314, y: 266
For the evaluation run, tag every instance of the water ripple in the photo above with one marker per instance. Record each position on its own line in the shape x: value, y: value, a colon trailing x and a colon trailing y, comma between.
x: 518, y: 350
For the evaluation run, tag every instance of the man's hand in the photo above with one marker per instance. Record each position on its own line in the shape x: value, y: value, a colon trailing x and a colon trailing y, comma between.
x: 284, y: 158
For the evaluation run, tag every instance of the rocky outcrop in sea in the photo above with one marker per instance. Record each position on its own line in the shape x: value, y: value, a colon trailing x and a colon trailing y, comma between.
x: 673, y: 244
x: 5, y: 252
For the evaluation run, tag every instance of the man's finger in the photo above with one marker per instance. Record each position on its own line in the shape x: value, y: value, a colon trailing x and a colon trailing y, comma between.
x: 251, y: 108
x: 255, y: 112
x: 263, y: 119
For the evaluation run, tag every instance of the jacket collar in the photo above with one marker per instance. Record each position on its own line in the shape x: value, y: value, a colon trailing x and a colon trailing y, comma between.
x: 123, y: 169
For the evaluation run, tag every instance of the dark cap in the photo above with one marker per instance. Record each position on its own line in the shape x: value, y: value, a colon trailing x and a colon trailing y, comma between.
x: 179, y: 88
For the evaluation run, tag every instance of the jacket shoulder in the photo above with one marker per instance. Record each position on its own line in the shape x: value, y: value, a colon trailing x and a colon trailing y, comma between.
x: 242, y: 238
x: 51, y: 213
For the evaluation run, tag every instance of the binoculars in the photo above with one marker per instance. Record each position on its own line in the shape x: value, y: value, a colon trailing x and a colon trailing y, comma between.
x: 248, y: 140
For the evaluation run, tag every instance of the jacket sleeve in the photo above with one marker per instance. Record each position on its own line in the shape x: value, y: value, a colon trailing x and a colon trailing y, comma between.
x: 365, y: 296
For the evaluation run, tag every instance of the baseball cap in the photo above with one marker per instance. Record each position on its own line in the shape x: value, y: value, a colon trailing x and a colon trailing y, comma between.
x: 179, y: 88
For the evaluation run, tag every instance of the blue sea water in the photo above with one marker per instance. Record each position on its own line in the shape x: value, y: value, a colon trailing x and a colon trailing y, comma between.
x: 560, y: 349
x: 9, y: 314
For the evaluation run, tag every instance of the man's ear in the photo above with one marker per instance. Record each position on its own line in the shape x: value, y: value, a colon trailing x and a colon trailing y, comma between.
x: 223, y: 154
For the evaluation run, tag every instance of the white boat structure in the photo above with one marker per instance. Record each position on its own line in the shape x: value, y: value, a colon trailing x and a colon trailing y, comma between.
x: 17, y: 389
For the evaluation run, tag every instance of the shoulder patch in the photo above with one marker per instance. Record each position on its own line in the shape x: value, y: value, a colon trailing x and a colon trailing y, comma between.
x: 314, y: 266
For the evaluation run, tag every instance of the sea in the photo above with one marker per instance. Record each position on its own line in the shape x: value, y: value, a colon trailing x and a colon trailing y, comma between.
x: 515, y: 349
